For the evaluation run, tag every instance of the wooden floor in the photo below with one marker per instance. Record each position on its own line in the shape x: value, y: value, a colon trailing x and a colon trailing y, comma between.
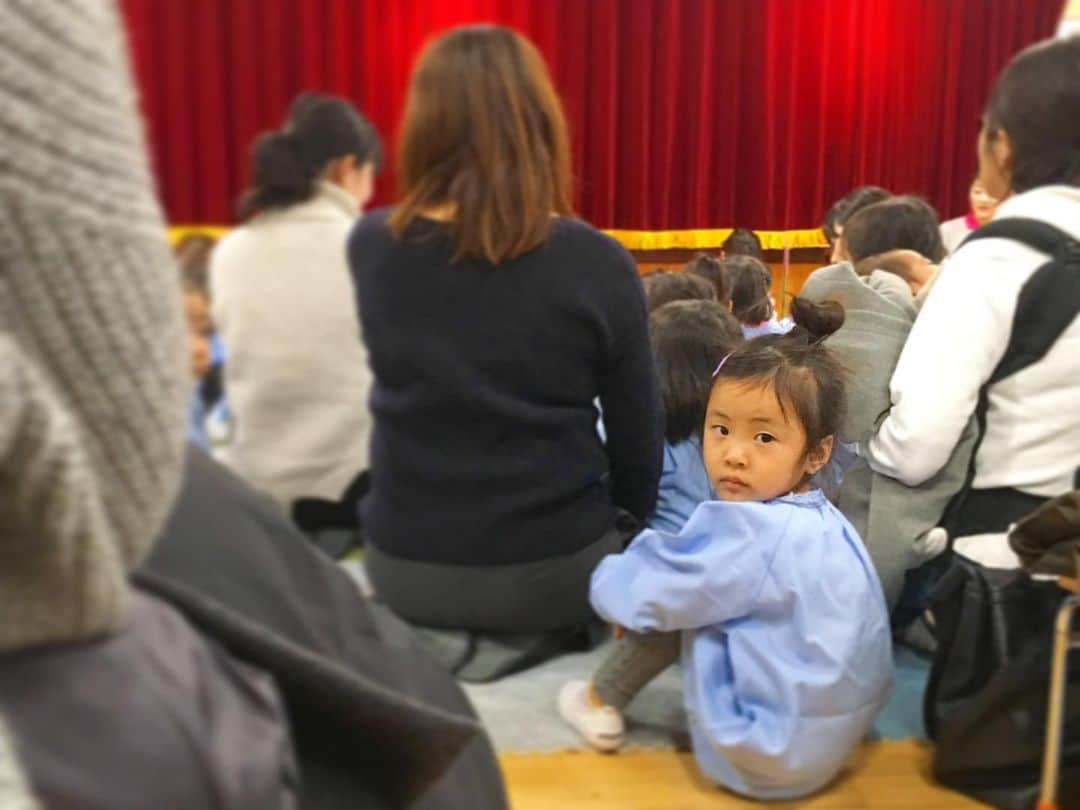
x: 882, y: 775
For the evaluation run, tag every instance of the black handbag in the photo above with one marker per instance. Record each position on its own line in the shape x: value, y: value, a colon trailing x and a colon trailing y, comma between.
x: 986, y: 699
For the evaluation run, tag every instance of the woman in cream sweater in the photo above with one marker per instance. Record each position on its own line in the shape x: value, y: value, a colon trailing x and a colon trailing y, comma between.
x: 297, y: 374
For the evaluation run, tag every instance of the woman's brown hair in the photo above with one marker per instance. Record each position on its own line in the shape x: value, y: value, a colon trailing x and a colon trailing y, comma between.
x: 483, y: 138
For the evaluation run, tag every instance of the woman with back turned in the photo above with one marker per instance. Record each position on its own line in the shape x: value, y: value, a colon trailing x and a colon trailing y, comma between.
x: 494, y: 319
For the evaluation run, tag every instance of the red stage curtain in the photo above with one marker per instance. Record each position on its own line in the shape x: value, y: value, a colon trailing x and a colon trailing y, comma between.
x: 684, y: 113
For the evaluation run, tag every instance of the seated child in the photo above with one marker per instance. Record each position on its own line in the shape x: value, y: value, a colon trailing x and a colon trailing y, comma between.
x: 689, y: 339
x: 750, y: 300
x: 767, y: 594
x: 663, y: 288
x: 206, y: 404
x: 712, y: 270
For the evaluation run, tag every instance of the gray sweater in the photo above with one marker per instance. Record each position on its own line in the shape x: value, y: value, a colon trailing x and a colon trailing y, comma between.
x: 889, y: 516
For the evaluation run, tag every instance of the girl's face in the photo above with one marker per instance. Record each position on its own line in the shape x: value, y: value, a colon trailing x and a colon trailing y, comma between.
x: 753, y: 451
x: 983, y: 205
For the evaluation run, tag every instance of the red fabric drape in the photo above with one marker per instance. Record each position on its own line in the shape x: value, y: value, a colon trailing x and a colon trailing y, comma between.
x: 684, y: 113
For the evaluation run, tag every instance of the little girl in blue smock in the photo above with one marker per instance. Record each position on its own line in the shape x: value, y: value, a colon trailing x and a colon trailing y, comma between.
x: 767, y: 595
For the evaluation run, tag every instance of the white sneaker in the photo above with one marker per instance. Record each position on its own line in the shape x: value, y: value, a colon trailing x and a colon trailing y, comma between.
x: 601, y: 726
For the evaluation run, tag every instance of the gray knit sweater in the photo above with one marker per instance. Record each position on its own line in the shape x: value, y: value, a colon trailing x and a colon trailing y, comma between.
x: 889, y: 516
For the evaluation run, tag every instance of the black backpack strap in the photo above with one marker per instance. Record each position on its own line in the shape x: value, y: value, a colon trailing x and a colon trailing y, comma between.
x: 1048, y: 302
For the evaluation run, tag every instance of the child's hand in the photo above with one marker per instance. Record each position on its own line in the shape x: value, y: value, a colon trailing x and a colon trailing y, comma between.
x: 618, y: 631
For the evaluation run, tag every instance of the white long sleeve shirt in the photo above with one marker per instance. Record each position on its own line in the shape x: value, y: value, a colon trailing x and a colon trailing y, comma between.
x: 1032, y: 439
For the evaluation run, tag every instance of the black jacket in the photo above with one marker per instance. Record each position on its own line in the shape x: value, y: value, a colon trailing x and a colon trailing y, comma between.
x: 375, y: 723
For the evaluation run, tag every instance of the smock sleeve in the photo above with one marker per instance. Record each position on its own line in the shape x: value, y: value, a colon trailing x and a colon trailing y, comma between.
x: 711, y: 572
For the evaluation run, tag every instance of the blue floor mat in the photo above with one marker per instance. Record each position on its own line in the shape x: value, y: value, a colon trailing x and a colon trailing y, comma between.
x: 519, y: 711
x: 902, y: 716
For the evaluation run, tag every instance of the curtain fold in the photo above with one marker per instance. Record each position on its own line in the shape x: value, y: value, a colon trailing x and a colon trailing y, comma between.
x: 684, y: 114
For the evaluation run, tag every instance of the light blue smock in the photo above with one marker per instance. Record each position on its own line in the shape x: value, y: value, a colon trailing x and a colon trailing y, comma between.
x: 684, y: 486
x: 790, y: 657
x: 769, y: 327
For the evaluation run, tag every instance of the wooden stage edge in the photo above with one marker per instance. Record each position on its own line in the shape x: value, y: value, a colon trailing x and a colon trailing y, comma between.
x: 886, y: 775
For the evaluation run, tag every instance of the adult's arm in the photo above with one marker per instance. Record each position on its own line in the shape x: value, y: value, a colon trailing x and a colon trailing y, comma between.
x: 954, y: 346
x: 630, y: 395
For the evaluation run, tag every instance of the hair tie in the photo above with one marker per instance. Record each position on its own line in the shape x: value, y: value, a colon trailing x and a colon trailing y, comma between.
x: 723, y: 360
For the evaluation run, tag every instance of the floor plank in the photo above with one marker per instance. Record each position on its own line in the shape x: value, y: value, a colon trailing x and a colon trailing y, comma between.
x: 883, y: 775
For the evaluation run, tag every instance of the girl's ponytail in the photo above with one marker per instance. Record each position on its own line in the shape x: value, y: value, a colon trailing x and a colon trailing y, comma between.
x: 816, y: 320
x: 286, y: 163
x: 278, y: 176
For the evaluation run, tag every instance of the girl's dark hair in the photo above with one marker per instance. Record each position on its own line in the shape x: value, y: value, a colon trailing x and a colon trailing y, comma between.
x: 286, y: 163
x: 711, y: 269
x: 847, y: 205
x: 1036, y: 101
x: 689, y: 339
x: 805, y: 375
x: 663, y: 288
x: 750, y: 282
x: 743, y: 242
x: 897, y: 223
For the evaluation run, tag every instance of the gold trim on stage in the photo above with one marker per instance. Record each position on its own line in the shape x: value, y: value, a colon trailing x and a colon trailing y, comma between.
x: 696, y: 239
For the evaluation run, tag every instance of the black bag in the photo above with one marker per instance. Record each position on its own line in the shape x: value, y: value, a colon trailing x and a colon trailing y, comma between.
x: 986, y: 700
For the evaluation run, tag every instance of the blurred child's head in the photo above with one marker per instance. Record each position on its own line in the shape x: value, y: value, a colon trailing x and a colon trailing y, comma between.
x: 663, y: 288
x: 915, y: 269
x: 898, y: 223
x: 750, y: 281
x: 712, y: 270
x: 842, y: 210
x: 689, y: 338
x: 775, y: 407
x: 743, y: 242
x: 193, y: 254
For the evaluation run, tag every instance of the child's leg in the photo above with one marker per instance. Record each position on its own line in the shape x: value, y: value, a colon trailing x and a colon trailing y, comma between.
x: 594, y: 708
x: 635, y: 661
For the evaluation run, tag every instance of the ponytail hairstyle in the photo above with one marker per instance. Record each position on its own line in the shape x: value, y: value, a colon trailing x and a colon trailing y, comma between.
x: 286, y: 163
x: 806, y: 377
x: 750, y: 282
x: 711, y: 269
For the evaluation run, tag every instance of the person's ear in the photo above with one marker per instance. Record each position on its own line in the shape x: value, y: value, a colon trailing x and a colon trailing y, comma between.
x: 1003, y: 153
x: 339, y: 170
x: 818, y: 456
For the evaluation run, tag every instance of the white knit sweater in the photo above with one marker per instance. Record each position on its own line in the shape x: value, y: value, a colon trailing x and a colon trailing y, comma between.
x: 296, y: 374
x: 1032, y: 440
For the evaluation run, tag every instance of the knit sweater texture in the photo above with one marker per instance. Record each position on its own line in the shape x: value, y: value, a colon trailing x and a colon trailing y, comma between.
x: 485, y: 449
x: 92, y: 365
x: 297, y: 374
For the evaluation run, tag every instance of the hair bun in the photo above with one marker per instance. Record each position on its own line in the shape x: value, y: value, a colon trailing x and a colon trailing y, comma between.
x: 819, y: 320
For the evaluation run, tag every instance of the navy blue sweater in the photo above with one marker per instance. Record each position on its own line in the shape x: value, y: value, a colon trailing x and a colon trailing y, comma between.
x: 485, y: 450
